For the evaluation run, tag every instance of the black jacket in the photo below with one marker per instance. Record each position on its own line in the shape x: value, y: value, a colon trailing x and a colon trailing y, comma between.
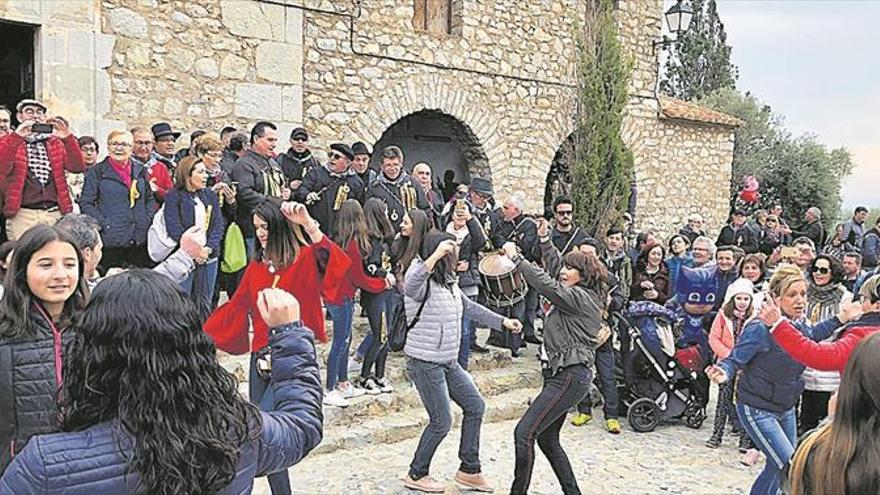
x: 258, y: 177
x: 814, y: 231
x: 399, y: 196
x: 333, y: 190
x: 296, y: 165
x: 744, y: 237
x: 522, y: 231
x: 469, y: 250
x: 566, y: 241
x: 28, y: 382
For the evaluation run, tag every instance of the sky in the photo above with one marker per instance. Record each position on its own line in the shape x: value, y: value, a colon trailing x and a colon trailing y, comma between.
x: 815, y: 62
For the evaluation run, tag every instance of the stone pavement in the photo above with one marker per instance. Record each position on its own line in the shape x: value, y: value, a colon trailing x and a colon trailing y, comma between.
x: 367, y: 447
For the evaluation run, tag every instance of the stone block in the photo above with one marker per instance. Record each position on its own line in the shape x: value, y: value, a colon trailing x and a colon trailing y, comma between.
x: 292, y: 103
x: 126, y: 22
x: 137, y: 55
x: 182, y: 59
x: 104, y: 44
x: 258, y: 101
x: 102, y: 92
x: 207, y: 67
x: 279, y: 62
x: 80, y: 48
x: 233, y: 67
x: 293, y: 26
x: 172, y: 108
x: 54, y: 45
x: 253, y: 19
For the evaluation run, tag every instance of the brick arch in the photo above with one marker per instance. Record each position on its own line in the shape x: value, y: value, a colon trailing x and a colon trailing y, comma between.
x: 434, y: 94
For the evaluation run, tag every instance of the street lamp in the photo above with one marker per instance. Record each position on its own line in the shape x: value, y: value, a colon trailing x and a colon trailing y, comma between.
x: 678, y: 20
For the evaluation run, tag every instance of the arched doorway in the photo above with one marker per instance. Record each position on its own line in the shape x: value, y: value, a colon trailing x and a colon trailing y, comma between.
x: 442, y: 141
x: 559, y: 177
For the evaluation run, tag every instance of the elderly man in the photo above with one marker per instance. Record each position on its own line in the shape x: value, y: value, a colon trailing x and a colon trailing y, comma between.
x: 704, y: 251
x: 298, y: 160
x: 33, y: 160
x: 361, y: 163
x: 694, y: 227
x: 396, y: 188
x: 164, y: 139
x: 422, y: 174
x: 813, y: 228
x: 325, y: 188
x: 738, y: 233
x: 157, y: 172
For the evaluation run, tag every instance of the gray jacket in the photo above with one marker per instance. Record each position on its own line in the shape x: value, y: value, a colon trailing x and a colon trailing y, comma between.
x: 437, y: 335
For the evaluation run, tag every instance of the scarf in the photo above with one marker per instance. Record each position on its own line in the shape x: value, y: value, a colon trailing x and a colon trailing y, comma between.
x: 39, y: 165
x: 122, y: 169
x: 459, y: 234
x: 823, y: 302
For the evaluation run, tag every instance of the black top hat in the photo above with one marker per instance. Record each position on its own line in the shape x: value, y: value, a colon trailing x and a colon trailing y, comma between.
x: 163, y: 129
x: 360, y: 148
x: 482, y: 186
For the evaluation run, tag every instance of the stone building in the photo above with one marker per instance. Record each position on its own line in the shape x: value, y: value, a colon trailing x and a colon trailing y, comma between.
x: 479, y: 88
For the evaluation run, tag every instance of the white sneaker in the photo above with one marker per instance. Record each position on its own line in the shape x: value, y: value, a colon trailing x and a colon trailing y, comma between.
x: 349, y: 391
x: 371, y: 387
x: 335, y: 398
x: 384, y: 385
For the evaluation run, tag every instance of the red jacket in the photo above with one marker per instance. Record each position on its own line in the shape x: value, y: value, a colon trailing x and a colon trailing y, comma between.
x: 229, y: 324
x: 64, y: 154
x: 357, y: 278
x: 163, y: 180
x: 822, y: 356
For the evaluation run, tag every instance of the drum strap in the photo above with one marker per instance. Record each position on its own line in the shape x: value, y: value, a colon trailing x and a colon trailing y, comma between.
x: 570, y: 240
x: 516, y: 228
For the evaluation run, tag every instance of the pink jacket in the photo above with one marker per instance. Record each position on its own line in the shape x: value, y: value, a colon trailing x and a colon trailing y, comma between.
x: 721, y: 335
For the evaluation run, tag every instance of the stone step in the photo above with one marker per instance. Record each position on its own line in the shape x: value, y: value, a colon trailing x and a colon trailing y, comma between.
x: 397, y: 426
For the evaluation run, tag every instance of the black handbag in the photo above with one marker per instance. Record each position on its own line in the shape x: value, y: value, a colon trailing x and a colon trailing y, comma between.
x: 400, y: 328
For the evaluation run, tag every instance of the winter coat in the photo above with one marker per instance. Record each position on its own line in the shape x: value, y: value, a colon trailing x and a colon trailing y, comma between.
x: 826, y: 355
x: 823, y: 303
x: 721, y: 337
x: 743, y: 237
x: 871, y: 249
x: 813, y: 231
x: 64, y: 155
x: 124, y: 217
x: 567, y: 241
x: 660, y: 279
x: 30, y: 379
x: 157, y: 170
x: 674, y: 263
x: 468, y: 250
x: 853, y: 235
x: 333, y: 190
x: 295, y: 165
x: 522, y: 231
x: 258, y: 178
x: 180, y: 215
x: 437, y: 335
x: 399, y: 195
x: 691, y: 235
x: 94, y: 460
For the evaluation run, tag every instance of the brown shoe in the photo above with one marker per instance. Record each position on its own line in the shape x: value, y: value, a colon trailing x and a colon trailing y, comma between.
x: 424, y: 484
x: 474, y: 481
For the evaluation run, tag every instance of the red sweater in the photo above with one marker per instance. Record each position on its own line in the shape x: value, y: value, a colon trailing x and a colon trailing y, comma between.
x: 357, y: 278
x: 163, y: 180
x: 228, y: 325
x: 64, y: 154
x: 822, y: 356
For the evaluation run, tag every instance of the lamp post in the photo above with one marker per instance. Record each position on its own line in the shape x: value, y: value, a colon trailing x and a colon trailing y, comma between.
x: 678, y: 20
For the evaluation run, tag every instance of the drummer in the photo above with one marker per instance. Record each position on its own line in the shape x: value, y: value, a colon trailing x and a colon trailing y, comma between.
x: 509, y: 224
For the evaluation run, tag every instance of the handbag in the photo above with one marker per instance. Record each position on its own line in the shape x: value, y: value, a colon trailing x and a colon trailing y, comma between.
x: 400, y: 328
x: 159, y: 244
x: 234, y: 250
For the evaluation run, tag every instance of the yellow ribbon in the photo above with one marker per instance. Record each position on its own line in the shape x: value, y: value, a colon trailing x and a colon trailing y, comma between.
x: 133, y: 194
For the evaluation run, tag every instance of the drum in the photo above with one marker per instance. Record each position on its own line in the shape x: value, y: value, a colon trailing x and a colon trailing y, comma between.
x: 504, y: 285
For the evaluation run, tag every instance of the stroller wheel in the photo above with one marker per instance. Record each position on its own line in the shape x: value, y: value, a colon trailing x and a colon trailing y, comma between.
x: 694, y: 418
x: 644, y: 415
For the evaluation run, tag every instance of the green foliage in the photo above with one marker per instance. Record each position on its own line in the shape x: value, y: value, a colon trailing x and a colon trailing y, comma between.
x: 797, y: 172
x: 602, y: 167
x: 699, y: 62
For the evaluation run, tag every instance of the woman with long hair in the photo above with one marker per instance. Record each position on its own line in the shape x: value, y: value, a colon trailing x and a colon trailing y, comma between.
x: 191, y: 203
x: 45, y: 292
x: 571, y: 329
x: 841, y: 457
x: 679, y: 255
x: 431, y: 291
x: 650, y: 280
x: 352, y: 235
x: 287, y: 259
x: 148, y: 409
x: 769, y: 382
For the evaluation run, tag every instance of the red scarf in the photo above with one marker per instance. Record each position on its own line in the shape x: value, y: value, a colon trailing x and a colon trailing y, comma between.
x: 122, y: 169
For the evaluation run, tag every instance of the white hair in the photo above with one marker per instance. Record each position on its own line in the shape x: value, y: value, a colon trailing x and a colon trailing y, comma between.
x: 694, y: 217
x: 710, y: 244
x: 517, y: 202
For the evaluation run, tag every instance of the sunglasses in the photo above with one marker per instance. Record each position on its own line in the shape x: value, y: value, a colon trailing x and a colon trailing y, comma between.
x: 336, y: 156
x: 565, y: 213
x: 821, y: 270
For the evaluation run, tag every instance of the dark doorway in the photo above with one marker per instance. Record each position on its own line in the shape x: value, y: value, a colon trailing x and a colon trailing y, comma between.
x: 16, y: 63
x: 559, y: 177
x: 442, y: 141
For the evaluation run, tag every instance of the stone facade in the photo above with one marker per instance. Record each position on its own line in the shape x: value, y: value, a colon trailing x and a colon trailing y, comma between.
x: 348, y: 71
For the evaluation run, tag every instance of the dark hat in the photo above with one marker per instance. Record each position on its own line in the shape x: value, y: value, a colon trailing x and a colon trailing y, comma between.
x: 482, y: 186
x: 740, y: 212
x: 300, y: 133
x: 342, y: 148
x: 29, y: 102
x: 360, y: 148
x: 163, y: 129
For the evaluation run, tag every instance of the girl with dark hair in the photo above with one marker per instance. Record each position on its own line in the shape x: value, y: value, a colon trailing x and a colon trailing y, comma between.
x: 381, y: 305
x: 6, y: 250
x: 190, y: 204
x: 431, y: 290
x: 841, y: 457
x: 651, y: 276
x: 571, y: 328
x: 825, y: 297
x: 45, y: 292
x: 351, y: 233
x: 148, y: 409
x: 679, y: 255
x: 285, y: 259
x: 406, y: 246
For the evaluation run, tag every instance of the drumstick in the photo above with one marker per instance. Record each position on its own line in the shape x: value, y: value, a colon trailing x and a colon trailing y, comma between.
x: 275, y: 281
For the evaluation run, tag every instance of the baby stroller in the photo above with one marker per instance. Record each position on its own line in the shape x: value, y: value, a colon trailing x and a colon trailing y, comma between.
x: 662, y: 382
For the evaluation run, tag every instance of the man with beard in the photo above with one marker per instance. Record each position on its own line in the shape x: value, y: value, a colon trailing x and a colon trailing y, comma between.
x: 325, y: 188
x: 396, y: 188
x: 298, y: 159
x: 565, y: 235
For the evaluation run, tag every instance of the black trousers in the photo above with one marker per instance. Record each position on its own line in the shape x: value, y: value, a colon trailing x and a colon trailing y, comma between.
x: 125, y: 257
x: 814, y: 408
x: 542, y: 422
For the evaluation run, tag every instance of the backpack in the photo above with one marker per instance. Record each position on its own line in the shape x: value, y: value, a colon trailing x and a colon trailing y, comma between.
x: 159, y: 244
x: 234, y: 250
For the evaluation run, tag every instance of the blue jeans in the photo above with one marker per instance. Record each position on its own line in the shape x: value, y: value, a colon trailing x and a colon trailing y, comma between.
x: 607, y: 382
x: 261, y: 394
x: 337, y: 361
x: 378, y: 306
x: 531, y: 307
x: 468, y: 332
x: 775, y: 434
x: 436, y: 384
x: 200, y: 286
x: 366, y: 342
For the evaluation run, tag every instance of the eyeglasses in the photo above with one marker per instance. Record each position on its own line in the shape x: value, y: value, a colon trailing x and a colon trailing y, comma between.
x: 33, y: 111
x: 336, y: 156
x: 214, y: 154
x: 821, y: 270
x: 88, y: 149
x: 143, y: 143
x: 565, y: 213
x: 119, y: 145
x: 299, y: 140
x: 168, y: 139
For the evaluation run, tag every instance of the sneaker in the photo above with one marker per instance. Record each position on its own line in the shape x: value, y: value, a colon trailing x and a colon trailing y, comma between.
x: 424, y: 484
x: 384, y: 385
x: 581, y: 419
x: 713, y: 442
x: 750, y: 458
x: 369, y: 385
x: 744, y: 443
x: 612, y: 425
x: 349, y: 391
x: 476, y: 482
x: 479, y: 349
x: 335, y: 398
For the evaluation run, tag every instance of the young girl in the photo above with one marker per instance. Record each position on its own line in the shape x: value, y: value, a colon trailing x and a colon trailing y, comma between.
x: 726, y: 330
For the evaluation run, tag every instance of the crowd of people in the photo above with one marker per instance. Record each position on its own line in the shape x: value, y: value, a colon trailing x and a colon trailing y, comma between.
x: 110, y: 313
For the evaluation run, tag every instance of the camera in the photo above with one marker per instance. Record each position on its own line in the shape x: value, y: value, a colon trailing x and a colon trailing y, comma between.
x: 41, y: 128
